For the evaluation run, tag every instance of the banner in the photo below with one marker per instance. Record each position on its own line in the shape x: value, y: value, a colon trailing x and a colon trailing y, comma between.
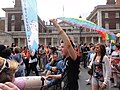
x: 29, y: 9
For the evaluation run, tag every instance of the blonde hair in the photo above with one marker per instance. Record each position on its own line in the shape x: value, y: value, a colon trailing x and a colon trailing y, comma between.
x: 7, y: 74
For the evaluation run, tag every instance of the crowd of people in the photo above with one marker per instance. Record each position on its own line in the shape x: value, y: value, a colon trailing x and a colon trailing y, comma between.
x: 59, y: 66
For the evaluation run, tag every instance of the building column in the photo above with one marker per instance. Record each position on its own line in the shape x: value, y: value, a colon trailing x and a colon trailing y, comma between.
x: 58, y: 40
x: 6, y: 22
x: 52, y: 41
x: 85, y: 39
x: 45, y: 42
x: 18, y: 42
x: 99, y: 40
x: 92, y: 40
x: 25, y: 43
x: 78, y: 40
x: 99, y: 18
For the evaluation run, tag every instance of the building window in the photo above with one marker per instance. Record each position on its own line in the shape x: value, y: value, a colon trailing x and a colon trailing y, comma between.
x: 12, y: 28
x: 117, y: 15
x: 117, y: 26
x: 22, y: 28
x: 13, y: 17
x: 106, y: 15
x: 107, y: 25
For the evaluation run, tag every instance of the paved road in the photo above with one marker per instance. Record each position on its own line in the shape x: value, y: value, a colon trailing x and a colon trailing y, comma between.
x: 82, y: 83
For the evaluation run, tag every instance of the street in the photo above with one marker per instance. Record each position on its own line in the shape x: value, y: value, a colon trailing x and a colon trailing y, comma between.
x: 82, y: 83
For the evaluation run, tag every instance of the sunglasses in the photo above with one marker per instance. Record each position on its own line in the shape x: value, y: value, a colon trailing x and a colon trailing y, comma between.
x: 5, y: 65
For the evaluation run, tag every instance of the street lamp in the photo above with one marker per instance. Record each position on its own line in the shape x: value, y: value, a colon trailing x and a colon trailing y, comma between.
x: 81, y: 28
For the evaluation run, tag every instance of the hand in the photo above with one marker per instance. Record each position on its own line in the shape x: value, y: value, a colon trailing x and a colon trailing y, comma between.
x: 54, y: 69
x: 8, y: 86
x: 103, y: 86
x: 49, y: 77
x: 54, y: 21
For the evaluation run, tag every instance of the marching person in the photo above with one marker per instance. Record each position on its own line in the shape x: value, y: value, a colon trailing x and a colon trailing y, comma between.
x: 101, y: 69
x: 69, y: 77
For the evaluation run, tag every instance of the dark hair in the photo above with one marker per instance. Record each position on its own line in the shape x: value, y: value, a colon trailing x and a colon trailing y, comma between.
x: 55, y: 53
x: 6, y: 53
x: 117, y: 45
x: 2, y: 47
x: 17, y: 50
x: 7, y: 75
x: 73, y: 45
x: 102, y: 51
x: 54, y: 49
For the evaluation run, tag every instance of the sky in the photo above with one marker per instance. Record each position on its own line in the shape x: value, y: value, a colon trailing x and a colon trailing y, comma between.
x: 48, y: 9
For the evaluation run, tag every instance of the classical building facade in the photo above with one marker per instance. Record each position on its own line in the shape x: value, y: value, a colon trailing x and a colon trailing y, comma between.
x: 14, y: 25
x: 107, y: 16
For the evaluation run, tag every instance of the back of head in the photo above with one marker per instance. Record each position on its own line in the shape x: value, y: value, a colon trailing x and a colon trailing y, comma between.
x: 17, y: 50
x: 6, y: 53
x: 7, y: 73
x: 2, y: 47
x: 117, y: 45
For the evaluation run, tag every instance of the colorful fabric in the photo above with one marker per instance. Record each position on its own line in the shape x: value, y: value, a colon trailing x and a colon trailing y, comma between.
x: 29, y: 9
x: 105, y: 34
x: 98, y: 70
x: 115, y: 57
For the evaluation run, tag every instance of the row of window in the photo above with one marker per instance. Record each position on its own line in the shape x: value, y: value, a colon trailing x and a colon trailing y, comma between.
x: 13, y: 17
x: 13, y: 28
x: 107, y: 25
x: 117, y: 15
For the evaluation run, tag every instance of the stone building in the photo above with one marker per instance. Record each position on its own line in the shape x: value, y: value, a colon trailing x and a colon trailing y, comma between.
x: 107, y: 16
x: 14, y: 25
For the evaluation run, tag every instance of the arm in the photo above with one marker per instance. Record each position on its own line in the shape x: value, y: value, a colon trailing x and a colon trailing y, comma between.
x: 30, y: 82
x: 8, y: 86
x: 55, y: 76
x: 107, y: 70
x: 65, y: 39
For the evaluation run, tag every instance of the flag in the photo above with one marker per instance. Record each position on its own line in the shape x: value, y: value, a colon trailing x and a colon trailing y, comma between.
x: 29, y: 9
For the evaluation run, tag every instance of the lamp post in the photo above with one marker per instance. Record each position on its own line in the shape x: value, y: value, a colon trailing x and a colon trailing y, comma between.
x: 81, y: 28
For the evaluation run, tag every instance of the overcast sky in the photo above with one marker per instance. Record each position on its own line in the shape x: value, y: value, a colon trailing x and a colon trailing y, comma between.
x: 48, y: 9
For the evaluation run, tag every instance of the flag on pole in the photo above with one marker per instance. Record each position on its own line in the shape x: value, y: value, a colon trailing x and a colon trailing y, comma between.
x: 29, y: 9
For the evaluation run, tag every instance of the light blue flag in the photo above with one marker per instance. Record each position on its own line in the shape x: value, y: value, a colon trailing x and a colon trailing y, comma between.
x: 29, y: 8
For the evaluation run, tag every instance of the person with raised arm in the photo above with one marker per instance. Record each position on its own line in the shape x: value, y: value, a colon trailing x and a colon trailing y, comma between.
x: 69, y: 77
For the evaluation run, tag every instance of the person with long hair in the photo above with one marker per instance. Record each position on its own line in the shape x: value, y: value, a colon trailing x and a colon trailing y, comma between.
x: 101, y: 69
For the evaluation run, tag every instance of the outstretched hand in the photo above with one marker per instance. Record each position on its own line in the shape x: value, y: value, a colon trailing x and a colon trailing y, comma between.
x: 54, y: 21
x: 8, y: 86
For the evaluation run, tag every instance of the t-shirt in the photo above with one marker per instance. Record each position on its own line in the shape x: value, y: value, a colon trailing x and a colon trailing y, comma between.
x: 70, y: 74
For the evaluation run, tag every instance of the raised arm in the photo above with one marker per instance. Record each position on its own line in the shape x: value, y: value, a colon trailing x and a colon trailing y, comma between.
x: 65, y: 39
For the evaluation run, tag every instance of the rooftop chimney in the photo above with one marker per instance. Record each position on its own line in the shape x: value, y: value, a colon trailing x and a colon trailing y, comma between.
x: 117, y: 1
x: 109, y: 2
x: 17, y: 3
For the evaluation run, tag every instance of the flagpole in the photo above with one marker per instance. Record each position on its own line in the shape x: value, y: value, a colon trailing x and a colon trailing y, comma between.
x: 63, y: 10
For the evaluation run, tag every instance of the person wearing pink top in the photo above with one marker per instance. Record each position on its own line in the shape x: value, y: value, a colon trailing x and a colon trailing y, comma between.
x: 7, y: 74
x: 115, y: 60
